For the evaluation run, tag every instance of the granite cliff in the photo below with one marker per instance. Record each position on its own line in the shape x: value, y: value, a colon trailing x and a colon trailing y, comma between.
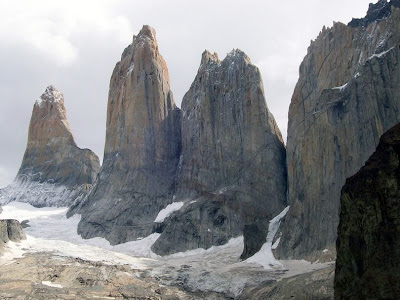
x: 197, y: 179
x: 142, y: 147
x: 233, y: 165
x: 347, y: 96
x: 54, y: 171
x: 368, y: 244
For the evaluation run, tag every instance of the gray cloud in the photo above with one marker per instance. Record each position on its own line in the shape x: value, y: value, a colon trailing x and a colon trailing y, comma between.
x: 74, y: 45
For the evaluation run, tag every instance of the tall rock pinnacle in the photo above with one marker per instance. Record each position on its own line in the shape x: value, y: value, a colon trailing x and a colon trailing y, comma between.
x: 347, y: 96
x: 54, y: 171
x: 142, y: 147
x: 233, y: 167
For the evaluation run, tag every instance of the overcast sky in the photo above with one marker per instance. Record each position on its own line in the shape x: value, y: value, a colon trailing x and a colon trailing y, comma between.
x: 75, y: 44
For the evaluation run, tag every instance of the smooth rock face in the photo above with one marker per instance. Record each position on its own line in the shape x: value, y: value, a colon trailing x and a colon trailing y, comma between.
x: 54, y: 171
x: 10, y: 230
x: 347, y: 96
x: 368, y: 245
x: 142, y: 147
x: 233, y: 165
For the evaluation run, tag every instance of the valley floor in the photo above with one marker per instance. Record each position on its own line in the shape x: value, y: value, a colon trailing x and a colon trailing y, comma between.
x: 56, y: 263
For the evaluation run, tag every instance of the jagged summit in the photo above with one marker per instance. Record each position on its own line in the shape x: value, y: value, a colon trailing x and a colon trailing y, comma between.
x: 381, y: 10
x: 148, y: 31
x: 51, y: 94
x: 145, y: 39
x: 207, y: 57
x: 234, y: 55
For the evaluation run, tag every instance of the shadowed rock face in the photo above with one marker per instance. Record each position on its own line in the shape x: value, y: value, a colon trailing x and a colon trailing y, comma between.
x: 142, y: 147
x: 233, y: 167
x: 346, y: 97
x: 368, y: 245
x: 54, y: 171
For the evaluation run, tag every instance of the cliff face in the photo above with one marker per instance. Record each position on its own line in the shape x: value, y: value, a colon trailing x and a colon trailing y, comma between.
x: 233, y: 165
x: 346, y: 97
x: 368, y: 245
x: 54, y: 171
x: 142, y: 147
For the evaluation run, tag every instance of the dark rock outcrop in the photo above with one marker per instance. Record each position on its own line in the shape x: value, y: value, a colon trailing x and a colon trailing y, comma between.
x: 368, y: 244
x: 54, y: 171
x: 233, y: 165
x: 142, y: 147
x: 347, y: 96
x: 382, y: 9
x: 10, y: 230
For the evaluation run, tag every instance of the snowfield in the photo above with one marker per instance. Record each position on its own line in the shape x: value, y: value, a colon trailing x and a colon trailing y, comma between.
x: 216, y: 269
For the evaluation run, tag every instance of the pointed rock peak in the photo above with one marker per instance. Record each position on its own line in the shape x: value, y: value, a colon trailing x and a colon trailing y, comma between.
x: 148, y: 32
x: 237, y: 54
x: 51, y: 94
x: 206, y: 57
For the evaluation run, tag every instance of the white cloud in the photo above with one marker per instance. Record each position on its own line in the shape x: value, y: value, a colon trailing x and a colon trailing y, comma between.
x: 48, y: 26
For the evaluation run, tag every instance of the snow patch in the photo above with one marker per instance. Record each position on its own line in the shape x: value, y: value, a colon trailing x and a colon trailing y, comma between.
x: 341, y: 88
x: 232, y: 243
x: 130, y: 69
x: 265, y: 257
x: 50, y: 230
x: 276, y: 244
x: 51, y: 284
x: 167, y: 211
x: 378, y: 55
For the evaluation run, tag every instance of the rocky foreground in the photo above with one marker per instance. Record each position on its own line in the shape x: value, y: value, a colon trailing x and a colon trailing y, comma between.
x: 49, y: 276
x: 45, y: 276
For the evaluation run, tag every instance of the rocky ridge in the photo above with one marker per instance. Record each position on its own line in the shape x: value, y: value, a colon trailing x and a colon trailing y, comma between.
x: 368, y: 245
x: 233, y: 164
x: 54, y: 171
x: 346, y: 97
x: 142, y: 147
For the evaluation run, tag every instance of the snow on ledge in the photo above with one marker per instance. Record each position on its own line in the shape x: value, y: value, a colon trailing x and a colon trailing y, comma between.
x: 51, y: 284
x: 378, y: 55
x: 340, y: 88
x: 265, y: 257
x: 167, y: 211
